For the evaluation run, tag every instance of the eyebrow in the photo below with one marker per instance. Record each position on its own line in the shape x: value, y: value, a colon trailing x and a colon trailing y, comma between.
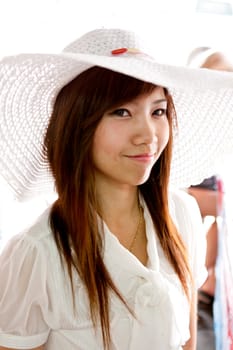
x: 159, y: 101
x: 155, y: 102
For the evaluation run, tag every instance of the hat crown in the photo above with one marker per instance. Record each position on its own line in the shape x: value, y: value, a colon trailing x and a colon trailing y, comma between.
x: 103, y: 41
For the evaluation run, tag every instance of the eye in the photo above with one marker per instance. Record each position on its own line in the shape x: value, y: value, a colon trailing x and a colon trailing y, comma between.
x: 160, y: 112
x: 121, y: 112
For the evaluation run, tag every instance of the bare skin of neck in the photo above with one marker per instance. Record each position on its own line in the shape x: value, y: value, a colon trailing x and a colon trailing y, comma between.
x: 120, y: 211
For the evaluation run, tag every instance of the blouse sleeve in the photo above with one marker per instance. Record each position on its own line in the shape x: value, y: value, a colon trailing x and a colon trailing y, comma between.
x: 23, y: 296
x: 189, y: 222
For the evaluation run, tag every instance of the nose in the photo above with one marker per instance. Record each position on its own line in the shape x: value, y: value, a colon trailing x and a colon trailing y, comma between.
x: 145, y: 132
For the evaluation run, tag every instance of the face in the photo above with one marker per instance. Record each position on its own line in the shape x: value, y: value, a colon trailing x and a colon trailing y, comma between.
x: 129, y: 140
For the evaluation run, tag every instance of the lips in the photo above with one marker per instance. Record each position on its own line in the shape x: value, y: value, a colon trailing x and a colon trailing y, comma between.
x: 148, y: 154
x: 146, y: 157
x: 142, y: 155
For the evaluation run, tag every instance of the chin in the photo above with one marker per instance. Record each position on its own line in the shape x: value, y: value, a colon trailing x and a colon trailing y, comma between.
x: 142, y: 180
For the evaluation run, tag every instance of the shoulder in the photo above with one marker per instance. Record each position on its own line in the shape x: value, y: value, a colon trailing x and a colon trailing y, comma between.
x: 185, y: 213
x: 32, y: 254
x: 36, y: 239
x: 40, y: 229
x: 180, y: 200
x: 183, y: 206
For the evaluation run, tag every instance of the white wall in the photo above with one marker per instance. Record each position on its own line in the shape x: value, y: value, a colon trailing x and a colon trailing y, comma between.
x: 49, y: 25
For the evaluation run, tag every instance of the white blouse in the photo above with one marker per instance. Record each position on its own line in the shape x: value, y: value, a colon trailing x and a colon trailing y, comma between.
x: 35, y: 296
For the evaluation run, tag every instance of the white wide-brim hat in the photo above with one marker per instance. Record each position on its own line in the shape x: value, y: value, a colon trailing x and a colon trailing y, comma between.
x: 29, y: 84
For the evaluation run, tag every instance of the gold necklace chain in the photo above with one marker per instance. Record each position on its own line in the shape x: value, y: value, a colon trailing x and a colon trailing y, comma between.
x: 138, y: 228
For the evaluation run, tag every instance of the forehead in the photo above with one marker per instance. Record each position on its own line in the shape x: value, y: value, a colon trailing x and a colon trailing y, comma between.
x: 157, y: 94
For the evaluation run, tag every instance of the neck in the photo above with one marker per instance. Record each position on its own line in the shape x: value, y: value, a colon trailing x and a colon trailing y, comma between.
x: 117, y: 201
x: 121, y: 211
x: 118, y: 204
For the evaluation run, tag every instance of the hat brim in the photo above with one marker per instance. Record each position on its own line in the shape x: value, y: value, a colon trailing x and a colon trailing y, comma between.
x: 29, y: 85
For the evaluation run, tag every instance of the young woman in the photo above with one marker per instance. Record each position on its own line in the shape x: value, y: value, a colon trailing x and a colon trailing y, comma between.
x: 115, y: 262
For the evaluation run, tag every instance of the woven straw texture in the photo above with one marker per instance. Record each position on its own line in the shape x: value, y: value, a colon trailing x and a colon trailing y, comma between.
x: 29, y: 84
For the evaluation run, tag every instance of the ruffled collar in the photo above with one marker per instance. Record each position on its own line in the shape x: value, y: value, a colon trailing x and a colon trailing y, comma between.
x: 157, y: 298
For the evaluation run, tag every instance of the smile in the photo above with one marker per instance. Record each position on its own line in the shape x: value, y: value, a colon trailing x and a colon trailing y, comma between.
x: 144, y: 158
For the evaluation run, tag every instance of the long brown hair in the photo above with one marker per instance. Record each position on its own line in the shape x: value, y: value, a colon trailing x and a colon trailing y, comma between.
x: 68, y: 147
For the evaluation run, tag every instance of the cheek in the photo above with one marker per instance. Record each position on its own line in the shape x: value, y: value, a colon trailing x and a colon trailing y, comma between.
x: 164, y: 134
x: 105, y: 141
